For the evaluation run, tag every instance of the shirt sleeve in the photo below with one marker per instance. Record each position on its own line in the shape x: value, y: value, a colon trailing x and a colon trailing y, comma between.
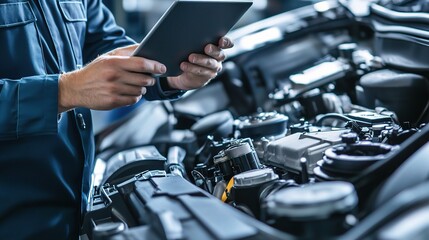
x: 102, y: 33
x: 28, y: 106
x: 156, y: 92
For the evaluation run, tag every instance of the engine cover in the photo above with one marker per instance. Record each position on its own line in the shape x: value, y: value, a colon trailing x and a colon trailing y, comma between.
x: 287, y: 152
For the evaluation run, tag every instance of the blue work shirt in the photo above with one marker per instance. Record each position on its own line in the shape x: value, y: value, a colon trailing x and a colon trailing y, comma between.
x: 46, y: 159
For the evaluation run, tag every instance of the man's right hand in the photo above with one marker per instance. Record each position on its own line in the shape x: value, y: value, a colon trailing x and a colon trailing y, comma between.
x: 112, y: 80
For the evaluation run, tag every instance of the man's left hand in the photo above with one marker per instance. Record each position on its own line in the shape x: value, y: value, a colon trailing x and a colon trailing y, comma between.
x: 200, y: 68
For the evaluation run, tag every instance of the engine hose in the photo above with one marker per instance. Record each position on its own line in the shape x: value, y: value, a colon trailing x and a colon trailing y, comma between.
x: 219, y: 189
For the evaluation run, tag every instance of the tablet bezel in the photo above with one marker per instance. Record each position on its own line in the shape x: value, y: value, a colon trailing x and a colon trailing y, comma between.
x: 154, y: 47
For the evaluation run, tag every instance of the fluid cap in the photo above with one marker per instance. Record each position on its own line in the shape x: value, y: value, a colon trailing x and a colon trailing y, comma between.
x: 349, y: 138
x: 238, y: 151
x: 254, y: 177
x: 314, y: 201
x: 262, y: 125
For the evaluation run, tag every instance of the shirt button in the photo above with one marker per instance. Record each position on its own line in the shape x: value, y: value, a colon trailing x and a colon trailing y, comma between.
x: 81, y: 121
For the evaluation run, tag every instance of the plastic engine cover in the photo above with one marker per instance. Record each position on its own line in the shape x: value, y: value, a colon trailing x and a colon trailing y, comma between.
x: 287, y: 152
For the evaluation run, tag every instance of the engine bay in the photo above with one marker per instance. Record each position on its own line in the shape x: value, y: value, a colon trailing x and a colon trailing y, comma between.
x: 315, y: 129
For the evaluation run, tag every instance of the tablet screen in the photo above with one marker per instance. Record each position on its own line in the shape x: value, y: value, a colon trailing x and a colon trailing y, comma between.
x: 187, y: 27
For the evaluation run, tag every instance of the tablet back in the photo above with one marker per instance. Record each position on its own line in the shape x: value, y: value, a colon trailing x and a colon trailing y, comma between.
x: 186, y: 27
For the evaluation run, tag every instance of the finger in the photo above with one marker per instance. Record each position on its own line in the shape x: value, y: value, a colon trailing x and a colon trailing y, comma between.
x: 121, y: 89
x: 124, y: 51
x: 128, y: 90
x: 203, y: 72
x: 126, y: 100
x: 137, y: 79
x: 225, y: 43
x: 205, y: 61
x: 214, y: 52
x: 139, y: 65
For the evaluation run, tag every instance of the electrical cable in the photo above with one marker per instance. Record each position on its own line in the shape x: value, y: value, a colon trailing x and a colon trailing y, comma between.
x: 201, y: 176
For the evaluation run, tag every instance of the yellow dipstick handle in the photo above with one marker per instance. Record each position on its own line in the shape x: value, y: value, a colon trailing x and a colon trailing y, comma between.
x: 227, y: 190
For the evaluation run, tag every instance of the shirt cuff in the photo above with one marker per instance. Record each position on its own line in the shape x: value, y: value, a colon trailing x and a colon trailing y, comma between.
x: 157, y: 92
x: 38, y: 106
x: 168, y: 91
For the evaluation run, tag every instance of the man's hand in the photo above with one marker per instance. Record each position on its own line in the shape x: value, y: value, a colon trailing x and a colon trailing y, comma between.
x: 201, y: 68
x: 112, y: 80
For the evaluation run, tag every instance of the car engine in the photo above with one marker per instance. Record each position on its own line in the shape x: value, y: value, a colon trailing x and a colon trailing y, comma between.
x: 315, y: 129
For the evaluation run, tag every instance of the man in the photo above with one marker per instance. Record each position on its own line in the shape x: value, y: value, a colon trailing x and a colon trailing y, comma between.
x: 46, y: 144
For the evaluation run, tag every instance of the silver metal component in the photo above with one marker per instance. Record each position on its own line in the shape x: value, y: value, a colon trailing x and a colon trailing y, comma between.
x: 176, y: 155
x: 261, y: 146
x: 151, y: 174
x: 220, y: 158
x: 261, y: 119
x: 359, y: 8
x: 319, y: 72
x: 304, y: 171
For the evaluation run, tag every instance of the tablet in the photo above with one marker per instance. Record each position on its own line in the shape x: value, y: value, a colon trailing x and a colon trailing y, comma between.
x: 187, y: 27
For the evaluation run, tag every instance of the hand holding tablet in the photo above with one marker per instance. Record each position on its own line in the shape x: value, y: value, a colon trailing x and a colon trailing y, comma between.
x: 187, y: 27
